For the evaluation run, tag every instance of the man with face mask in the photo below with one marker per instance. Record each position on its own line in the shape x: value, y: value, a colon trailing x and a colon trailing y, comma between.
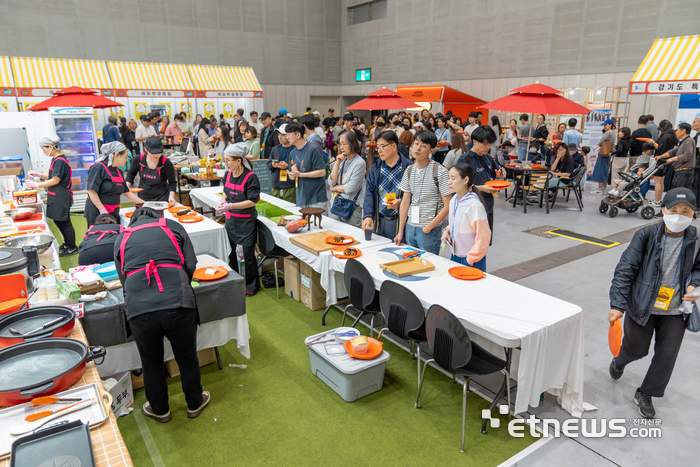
x: 653, y: 278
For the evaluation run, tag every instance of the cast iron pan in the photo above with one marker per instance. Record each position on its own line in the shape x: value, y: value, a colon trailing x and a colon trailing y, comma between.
x: 42, y: 368
x: 67, y: 444
x: 29, y: 320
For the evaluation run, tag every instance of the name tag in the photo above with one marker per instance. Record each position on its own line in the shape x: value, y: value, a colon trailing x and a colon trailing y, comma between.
x: 283, y: 175
x: 415, y: 215
x: 663, y: 298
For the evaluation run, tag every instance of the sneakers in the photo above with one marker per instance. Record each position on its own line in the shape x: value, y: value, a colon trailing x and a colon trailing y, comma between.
x: 614, y: 193
x: 655, y: 204
x: 148, y: 412
x: 643, y: 401
x: 615, y: 373
x: 659, y: 214
x: 62, y: 248
x: 596, y: 192
x: 68, y: 251
x: 206, y: 398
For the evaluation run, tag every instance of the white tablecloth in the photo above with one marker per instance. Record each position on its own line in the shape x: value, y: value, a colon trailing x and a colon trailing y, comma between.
x: 500, y: 313
x: 331, y: 281
x: 206, y: 236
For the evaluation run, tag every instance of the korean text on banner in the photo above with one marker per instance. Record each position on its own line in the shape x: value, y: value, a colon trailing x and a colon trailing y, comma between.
x: 592, y: 132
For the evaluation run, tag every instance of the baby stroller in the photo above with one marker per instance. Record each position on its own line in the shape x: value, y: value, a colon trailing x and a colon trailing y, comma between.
x: 630, y: 198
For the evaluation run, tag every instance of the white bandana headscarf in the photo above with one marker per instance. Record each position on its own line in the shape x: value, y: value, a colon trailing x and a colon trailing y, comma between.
x: 50, y: 141
x: 109, y: 150
x: 239, y: 150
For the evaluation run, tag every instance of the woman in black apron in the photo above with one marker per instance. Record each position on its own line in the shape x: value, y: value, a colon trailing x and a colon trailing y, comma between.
x: 156, y: 173
x: 241, y: 193
x: 59, y: 196
x: 106, y: 184
x: 97, y: 246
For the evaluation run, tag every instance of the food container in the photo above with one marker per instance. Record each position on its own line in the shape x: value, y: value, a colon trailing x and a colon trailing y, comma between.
x: 26, y: 197
x: 106, y: 271
x: 220, y: 173
x: 11, y: 162
x: 360, y: 344
x: 6, y: 225
x: 344, y: 339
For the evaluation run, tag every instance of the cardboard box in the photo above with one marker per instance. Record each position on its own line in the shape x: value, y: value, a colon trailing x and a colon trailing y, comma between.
x: 205, y: 357
x: 11, y: 171
x: 122, y: 394
x: 184, y: 199
x: 312, y: 294
x: 291, y: 277
x: 136, y: 381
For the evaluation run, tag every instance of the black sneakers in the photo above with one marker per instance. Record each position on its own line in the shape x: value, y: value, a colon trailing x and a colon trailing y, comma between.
x: 68, y: 251
x: 615, y: 373
x: 643, y: 401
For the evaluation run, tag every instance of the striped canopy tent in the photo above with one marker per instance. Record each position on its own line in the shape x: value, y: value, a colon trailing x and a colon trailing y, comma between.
x: 149, y: 76
x: 672, y: 66
x: 214, y: 81
x: 7, y: 83
x: 59, y: 73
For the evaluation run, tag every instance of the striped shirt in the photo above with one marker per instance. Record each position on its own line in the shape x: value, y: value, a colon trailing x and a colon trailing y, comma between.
x: 421, y: 184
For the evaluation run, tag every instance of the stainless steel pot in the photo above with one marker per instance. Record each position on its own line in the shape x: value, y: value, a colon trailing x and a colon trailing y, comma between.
x: 13, y: 261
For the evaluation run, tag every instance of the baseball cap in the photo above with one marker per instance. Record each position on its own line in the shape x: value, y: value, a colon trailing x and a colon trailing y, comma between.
x: 283, y: 111
x: 573, y: 146
x: 609, y: 121
x: 679, y: 195
x: 283, y: 129
x: 153, y: 145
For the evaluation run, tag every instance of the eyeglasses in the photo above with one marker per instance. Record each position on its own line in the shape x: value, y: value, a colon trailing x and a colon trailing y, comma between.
x: 418, y: 145
x: 384, y: 146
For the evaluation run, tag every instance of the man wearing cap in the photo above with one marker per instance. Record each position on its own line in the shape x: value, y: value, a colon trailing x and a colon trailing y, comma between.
x: 157, y: 178
x: 283, y: 187
x: 329, y: 121
x: 144, y: 131
x: 682, y: 156
x: 654, y: 277
x: 268, y: 136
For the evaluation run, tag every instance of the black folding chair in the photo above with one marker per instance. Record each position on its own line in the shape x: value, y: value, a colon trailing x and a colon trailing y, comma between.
x: 363, y: 296
x: 574, y: 185
x: 404, y: 315
x: 454, y: 352
x: 266, y: 243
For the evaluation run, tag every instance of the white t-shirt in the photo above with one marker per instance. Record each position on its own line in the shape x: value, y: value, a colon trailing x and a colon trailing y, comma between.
x: 142, y: 131
x: 470, y: 128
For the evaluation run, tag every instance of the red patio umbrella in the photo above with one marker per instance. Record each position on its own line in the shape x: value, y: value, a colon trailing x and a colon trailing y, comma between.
x: 383, y: 99
x: 75, y: 97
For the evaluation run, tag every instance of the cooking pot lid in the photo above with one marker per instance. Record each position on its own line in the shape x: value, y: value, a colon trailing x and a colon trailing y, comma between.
x: 11, y: 258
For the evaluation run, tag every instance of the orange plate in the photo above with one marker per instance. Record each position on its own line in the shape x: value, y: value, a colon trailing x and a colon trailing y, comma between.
x: 338, y: 252
x: 443, y: 143
x: 466, y: 273
x: 348, y: 240
x: 129, y: 214
x: 190, y: 219
x: 174, y: 209
x: 201, y: 274
x: 373, y: 351
x: 644, y: 139
x: 498, y: 184
x: 461, y: 132
x: 615, y: 337
x: 511, y: 165
x: 135, y: 190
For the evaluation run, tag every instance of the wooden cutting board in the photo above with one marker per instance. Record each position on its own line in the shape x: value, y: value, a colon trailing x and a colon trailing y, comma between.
x: 407, y: 267
x: 316, y: 242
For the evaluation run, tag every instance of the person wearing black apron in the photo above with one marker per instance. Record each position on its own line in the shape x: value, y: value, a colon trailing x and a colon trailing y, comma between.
x: 97, y: 246
x: 59, y: 196
x: 241, y: 193
x: 156, y: 173
x: 105, y: 184
x: 155, y: 261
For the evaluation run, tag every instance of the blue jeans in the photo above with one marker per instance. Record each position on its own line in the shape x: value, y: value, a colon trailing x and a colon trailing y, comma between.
x: 429, y: 242
x: 522, y: 152
x: 481, y: 264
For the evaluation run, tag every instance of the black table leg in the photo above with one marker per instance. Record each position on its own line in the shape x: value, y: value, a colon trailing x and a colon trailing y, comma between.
x: 218, y: 358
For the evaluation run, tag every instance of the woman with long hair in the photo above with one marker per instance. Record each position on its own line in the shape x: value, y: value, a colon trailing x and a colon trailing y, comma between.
x: 459, y: 147
x: 601, y: 171
x: 666, y: 141
x: 405, y: 142
x: 223, y: 139
x: 347, y: 179
x: 511, y: 134
x: 562, y: 166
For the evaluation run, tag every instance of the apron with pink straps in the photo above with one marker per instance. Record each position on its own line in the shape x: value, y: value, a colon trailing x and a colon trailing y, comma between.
x: 118, y: 181
x: 59, y: 198
x: 97, y: 233
x: 241, y: 224
x: 150, y: 269
x: 109, y: 193
x: 154, y: 188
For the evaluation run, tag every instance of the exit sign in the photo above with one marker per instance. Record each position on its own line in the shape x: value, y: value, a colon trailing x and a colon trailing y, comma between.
x: 363, y: 75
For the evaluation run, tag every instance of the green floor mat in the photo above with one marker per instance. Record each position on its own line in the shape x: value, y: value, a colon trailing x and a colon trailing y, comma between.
x: 275, y: 412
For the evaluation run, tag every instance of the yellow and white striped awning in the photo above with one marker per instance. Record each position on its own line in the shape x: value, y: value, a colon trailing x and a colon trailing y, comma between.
x: 223, y: 78
x: 58, y: 73
x: 670, y: 61
x: 150, y: 76
x: 6, y: 80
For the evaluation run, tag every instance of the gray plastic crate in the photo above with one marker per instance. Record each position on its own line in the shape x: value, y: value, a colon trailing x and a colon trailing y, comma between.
x: 351, y: 378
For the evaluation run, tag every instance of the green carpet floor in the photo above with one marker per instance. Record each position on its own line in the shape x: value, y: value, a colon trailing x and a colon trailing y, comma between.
x: 276, y: 412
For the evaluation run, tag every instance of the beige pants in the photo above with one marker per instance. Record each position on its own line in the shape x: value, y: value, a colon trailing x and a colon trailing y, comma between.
x: 619, y: 164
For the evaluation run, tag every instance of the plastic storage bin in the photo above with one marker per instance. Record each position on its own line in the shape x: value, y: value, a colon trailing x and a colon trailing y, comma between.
x: 10, y: 162
x: 351, y: 378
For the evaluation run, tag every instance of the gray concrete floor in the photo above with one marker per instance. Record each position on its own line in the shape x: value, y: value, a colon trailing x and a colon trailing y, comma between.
x: 586, y: 282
